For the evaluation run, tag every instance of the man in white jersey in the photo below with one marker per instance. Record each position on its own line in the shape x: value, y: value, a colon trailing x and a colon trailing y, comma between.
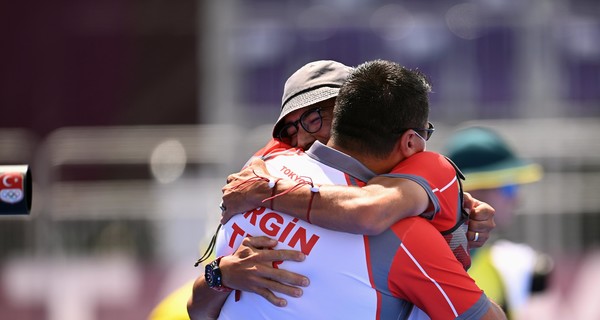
x: 355, y: 276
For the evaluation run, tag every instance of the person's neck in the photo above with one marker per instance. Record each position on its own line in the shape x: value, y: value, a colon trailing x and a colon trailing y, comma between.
x: 377, y: 165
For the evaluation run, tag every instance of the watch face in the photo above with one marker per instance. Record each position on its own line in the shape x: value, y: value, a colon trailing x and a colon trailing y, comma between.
x: 212, y: 274
x: 209, y: 275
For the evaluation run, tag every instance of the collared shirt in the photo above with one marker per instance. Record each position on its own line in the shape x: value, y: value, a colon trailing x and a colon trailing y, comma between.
x: 354, y: 276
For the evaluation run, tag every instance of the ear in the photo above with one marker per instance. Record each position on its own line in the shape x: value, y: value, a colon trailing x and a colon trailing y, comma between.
x: 409, y: 144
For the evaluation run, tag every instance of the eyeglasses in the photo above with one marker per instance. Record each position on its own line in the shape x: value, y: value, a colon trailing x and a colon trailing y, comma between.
x: 428, y: 132
x: 311, y: 121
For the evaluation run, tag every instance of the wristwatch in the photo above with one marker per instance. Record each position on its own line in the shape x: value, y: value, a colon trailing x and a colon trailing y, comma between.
x: 213, y: 277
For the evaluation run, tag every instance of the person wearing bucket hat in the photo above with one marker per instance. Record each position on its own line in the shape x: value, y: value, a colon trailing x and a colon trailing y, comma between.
x: 508, y: 272
x: 315, y: 85
x: 306, y: 115
x: 416, y: 127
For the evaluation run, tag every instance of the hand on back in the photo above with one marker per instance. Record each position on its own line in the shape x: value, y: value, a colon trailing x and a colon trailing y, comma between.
x: 242, y: 192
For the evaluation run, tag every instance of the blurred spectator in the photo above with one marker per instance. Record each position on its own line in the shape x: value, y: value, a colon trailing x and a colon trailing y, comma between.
x: 508, y: 272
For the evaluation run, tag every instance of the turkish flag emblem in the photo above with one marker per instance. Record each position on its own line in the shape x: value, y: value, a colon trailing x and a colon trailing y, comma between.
x: 11, y: 187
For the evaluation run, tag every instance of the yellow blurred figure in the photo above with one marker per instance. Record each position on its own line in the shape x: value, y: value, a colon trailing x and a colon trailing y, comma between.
x: 173, y: 307
x: 508, y: 272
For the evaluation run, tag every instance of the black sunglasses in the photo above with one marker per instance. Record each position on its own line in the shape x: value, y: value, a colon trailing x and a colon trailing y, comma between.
x: 428, y: 131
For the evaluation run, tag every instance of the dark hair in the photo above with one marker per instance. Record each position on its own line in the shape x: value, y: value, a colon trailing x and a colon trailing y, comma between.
x: 378, y: 102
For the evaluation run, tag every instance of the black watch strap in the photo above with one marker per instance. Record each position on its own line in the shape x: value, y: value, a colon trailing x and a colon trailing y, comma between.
x: 213, y: 276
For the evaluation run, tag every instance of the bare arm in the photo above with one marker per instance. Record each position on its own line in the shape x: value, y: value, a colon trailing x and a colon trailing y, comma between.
x: 367, y: 210
x: 205, y: 303
x: 249, y: 269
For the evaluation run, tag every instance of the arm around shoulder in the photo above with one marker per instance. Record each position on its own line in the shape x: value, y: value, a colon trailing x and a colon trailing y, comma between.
x: 368, y: 210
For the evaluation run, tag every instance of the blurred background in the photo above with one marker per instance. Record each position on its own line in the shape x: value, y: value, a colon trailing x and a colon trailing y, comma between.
x: 132, y: 113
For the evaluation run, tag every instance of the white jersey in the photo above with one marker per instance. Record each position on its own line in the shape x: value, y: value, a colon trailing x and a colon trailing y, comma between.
x: 328, y: 300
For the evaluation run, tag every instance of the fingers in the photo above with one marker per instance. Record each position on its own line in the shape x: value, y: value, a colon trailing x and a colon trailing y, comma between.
x: 225, y: 214
x: 260, y: 242
x: 225, y: 217
x: 482, y: 212
x: 259, y: 164
x: 274, y: 280
x: 479, y: 233
x: 258, y: 253
x: 263, y: 242
x: 230, y: 178
x: 484, y: 226
x: 285, y: 255
x: 479, y: 230
x: 277, y: 280
x: 251, y: 269
x: 243, y: 191
x: 477, y: 239
x: 272, y: 298
x: 482, y: 220
x: 270, y: 287
x: 468, y: 202
x: 267, y: 288
x: 285, y: 281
